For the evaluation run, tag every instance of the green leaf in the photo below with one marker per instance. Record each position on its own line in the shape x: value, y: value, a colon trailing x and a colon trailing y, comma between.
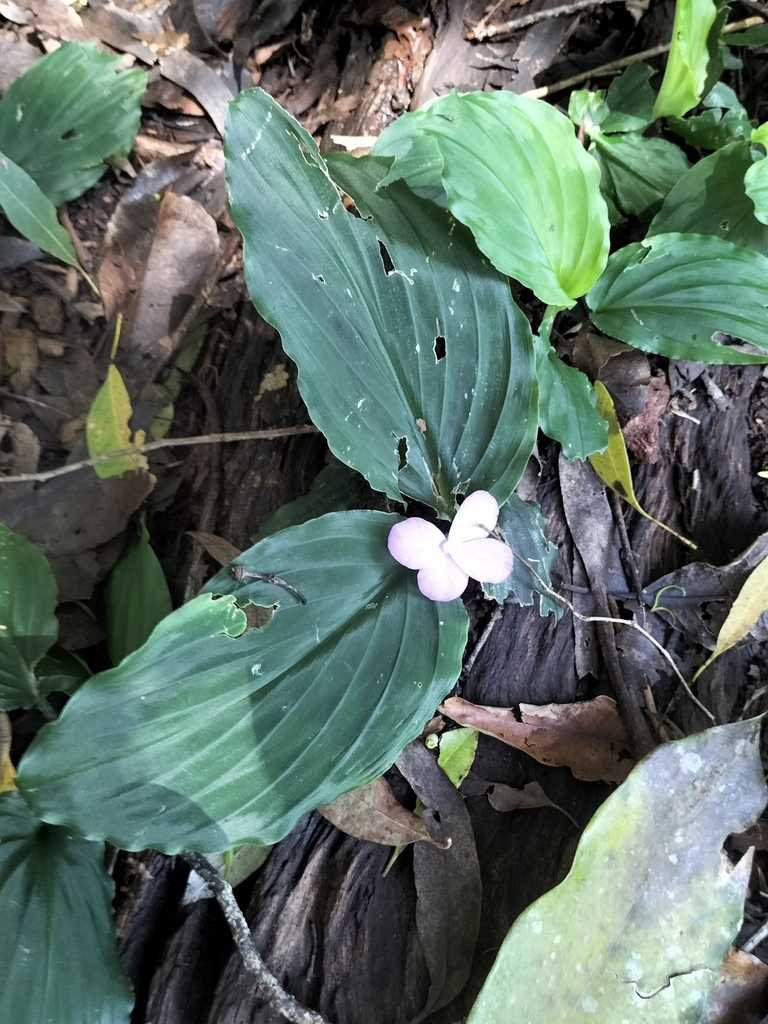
x: 638, y: 172
x: 211, y: 735
x: 107, y: 428
x: 514, y: 171
x: 62, y: 670
x: 58, y: 955
x: 136, y: 596
x: 687, y: 67
x: 587, y: 110
x: 757, y: 35
x: 709, y: 200
x: 724, y: 121
x: 630, y: 100
x: 70, y: 111
x: 638, y: 929
x: 366, y: 329
x: 336, y: 488
x: 28, y: 626
x: 750, y: 603
x: 32, y: 213
x: 523, y: 525
x: 457, y: 753
x: 671, y: 293
x: 567, y: 404
x: 756, y: 178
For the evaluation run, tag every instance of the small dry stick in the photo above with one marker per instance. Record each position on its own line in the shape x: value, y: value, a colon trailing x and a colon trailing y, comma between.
x: 278, y: 998
x: 618, y: 65
x: 481, y: 32
x: 496, y: 614
x: 82, y: 253
x: 166, y: 442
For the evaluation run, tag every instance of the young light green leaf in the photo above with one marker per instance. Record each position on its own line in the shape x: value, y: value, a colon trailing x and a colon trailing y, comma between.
x: 107, y: 427
x: 637, y: 172
x: 567, y: 404
x: 457, y: 753
x: 708, y: 200
x: 671, y: 294
x: 638, y: 929
x: 70, y: 111
x: 413, y: 360
x: 28, y: 626
x: 58, y: 955
x: 688, y: 63
x: 749, y: 605
x: 136, y: 596
x: 523, y: 525
x: 514, y: 172
x: 32, y: 213
x: 212, y: 735
x: 612, y: 465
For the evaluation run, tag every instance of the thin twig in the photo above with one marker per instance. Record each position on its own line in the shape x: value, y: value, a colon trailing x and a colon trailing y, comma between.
x: 80, y: 250
x: 278, y: 998
x: 166, y: 442
x: 496, y: 614
x: 618, y: 65
x: 618, y: 517
x: 623, y: 622
x: 481, y: 32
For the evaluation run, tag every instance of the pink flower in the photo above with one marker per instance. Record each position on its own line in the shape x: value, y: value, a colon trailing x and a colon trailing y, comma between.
x: 445, y: 564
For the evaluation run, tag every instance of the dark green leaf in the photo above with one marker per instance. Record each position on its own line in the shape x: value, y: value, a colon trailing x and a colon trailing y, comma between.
x: 32, y: 213
x: 724, y: 121
x: 567, y: 404
x: 336, y: 488
x: 514, y: 171
x: 28, y: 626
x: 671, y: 293
x: 58, y: 955
x: 756, y: 187
x: 368, y: 327
x: 136, y: 596
x: 60, y: 669
x: 757, y: 35
x: 630, y: 100
x: 211, y: 735
x: 523, y: 526
x: 61, y: 119
x: 710, y: 200
x: 638, y: 172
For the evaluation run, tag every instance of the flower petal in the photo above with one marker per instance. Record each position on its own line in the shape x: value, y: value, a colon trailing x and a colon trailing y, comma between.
x: 442, y: 579
x: 415, y: 543
x: 476, y: 518
x: 488, y: 560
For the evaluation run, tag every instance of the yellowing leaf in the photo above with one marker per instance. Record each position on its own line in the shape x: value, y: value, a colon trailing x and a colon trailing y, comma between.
x: 107, y: 427
x: 612, y: 465
x: 7, y: 771
x: 750, y: 604
x: 457, y: 753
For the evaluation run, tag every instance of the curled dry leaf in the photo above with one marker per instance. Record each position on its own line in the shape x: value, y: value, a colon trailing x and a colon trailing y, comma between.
x: 372, y: 813
x: 219, y: 549
x: 505, y: 798
x: 588, y: 737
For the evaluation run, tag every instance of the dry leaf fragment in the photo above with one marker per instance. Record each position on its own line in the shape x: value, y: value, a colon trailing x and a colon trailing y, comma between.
x: 741, y: 990
x: 7, y: 771
x: 372, y: 813
x: 588, y: 737
x: 219, y: 549
x: 21, y: 353
x: 505, y: 798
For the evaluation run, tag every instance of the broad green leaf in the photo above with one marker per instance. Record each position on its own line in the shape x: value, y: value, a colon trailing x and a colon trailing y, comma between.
x: 336, y: 488
x: 32, y: 213
x: 212, y: 735
x: 710, y: 200
x: 523, y: 524
x: 687, y: 67
x: 756, y: 177
x: 612, y: 465
x: 638, y: 172
x: 671, y: 294
x: 724, y: 121
x: 28, y: 626
x: 757, y: 35
x: 136, y: 596
x: 107, y: 427
x: 513, y: 171
x: 367, y: 327
x: 58, y: 952
x: 70, y: 111
x: 751, y: 602
x: 457, y: 753
x: 630, y: 100
x: 638, y: 929
x: 567, y: 404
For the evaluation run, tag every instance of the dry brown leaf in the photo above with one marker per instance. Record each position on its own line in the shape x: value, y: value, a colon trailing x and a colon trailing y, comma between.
x: 641, y: 434
x: 219, y: 549
x: 505, y: 798
x: 372, y: 813
x: 588, y: 737
x: 21, y: 353
x: 147, y: 148
x: 7, y: 771
x: 740, y: 993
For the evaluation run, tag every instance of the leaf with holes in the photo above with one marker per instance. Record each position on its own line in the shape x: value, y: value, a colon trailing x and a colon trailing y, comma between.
x: 413, y: 359
x: 212, y: 734
x: 514, y: 172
